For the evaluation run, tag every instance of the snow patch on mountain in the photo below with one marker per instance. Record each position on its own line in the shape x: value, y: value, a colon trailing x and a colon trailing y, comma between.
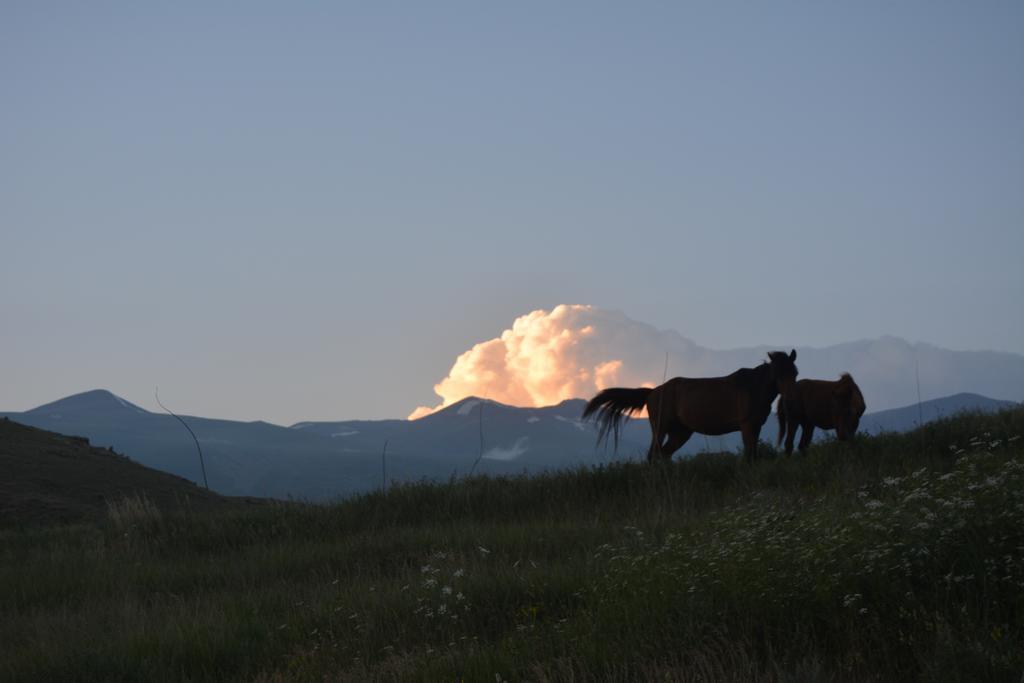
x: 126, y: 404
x: 511, y: 453
x: 467, y: 407
x: 575, y: 423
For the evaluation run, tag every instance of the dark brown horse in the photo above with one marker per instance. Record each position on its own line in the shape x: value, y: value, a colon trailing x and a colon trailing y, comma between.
x: 740, y: 402
x: 818, y: 403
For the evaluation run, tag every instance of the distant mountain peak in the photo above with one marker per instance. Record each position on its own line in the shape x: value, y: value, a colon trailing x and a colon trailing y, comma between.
x: 88, y: 402
x: 465, y: 407
x: 469, y: 407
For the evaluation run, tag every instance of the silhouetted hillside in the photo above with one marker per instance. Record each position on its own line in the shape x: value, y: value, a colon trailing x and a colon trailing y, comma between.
x: 50, y: 477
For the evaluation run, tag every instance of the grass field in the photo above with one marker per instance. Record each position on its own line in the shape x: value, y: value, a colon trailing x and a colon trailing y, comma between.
x: 897, y: 557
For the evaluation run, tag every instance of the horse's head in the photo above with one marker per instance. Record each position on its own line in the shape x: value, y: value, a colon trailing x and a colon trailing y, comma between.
x: 847, y: 407
x: 783, y: 369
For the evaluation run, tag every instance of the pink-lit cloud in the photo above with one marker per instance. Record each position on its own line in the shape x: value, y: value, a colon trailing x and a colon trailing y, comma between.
x: 572, y: 351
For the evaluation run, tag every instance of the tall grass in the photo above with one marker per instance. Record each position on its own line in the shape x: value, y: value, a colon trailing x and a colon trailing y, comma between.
x: 129, y: 511
x: 896, y: 556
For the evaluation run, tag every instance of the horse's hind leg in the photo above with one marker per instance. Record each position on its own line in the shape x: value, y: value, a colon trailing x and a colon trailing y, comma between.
x: 654, y: 452
x: 675, y: 441
x: 660, y: 429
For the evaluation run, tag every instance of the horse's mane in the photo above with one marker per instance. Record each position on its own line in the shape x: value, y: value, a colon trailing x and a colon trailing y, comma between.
x: 747, y: 376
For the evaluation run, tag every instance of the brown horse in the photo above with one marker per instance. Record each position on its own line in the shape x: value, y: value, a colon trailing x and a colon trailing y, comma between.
x: 818, y: 403
x: 681, y: 406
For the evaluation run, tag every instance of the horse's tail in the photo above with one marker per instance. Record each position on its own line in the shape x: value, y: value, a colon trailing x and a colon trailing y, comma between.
x: 611, y: 405
x: 782, y: 419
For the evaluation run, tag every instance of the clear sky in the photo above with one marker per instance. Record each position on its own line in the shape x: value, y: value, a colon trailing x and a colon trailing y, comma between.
x: 289, y: 211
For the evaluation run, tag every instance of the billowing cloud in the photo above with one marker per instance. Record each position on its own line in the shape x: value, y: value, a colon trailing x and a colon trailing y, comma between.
x: 571, y: 351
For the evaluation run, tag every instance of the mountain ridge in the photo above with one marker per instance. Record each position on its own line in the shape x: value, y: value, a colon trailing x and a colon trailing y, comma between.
x: 325, y: 460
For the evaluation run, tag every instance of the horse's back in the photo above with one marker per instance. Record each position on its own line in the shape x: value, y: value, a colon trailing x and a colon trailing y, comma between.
x: 705, y: 388
x: 813, y: 389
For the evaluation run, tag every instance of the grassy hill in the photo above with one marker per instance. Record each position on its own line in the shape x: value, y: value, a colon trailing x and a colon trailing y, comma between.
x: 50, y: 477
x: 897, y: 557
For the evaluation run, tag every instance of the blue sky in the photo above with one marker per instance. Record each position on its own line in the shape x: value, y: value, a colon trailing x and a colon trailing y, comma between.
x: 290, y: 211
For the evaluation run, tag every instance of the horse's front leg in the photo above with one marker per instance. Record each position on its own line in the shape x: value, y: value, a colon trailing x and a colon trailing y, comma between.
x: 806, y: 436
x: 791, y: 427
x: 750, y: 434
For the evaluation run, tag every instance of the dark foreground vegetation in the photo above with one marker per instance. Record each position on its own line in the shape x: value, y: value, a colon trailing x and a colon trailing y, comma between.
x: 896, y: 557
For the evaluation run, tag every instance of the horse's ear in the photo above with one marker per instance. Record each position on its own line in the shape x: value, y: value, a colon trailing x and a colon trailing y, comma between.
x: 792, y: 354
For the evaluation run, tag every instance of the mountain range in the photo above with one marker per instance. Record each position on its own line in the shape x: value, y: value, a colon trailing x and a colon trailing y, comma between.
x: 328, y: 460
